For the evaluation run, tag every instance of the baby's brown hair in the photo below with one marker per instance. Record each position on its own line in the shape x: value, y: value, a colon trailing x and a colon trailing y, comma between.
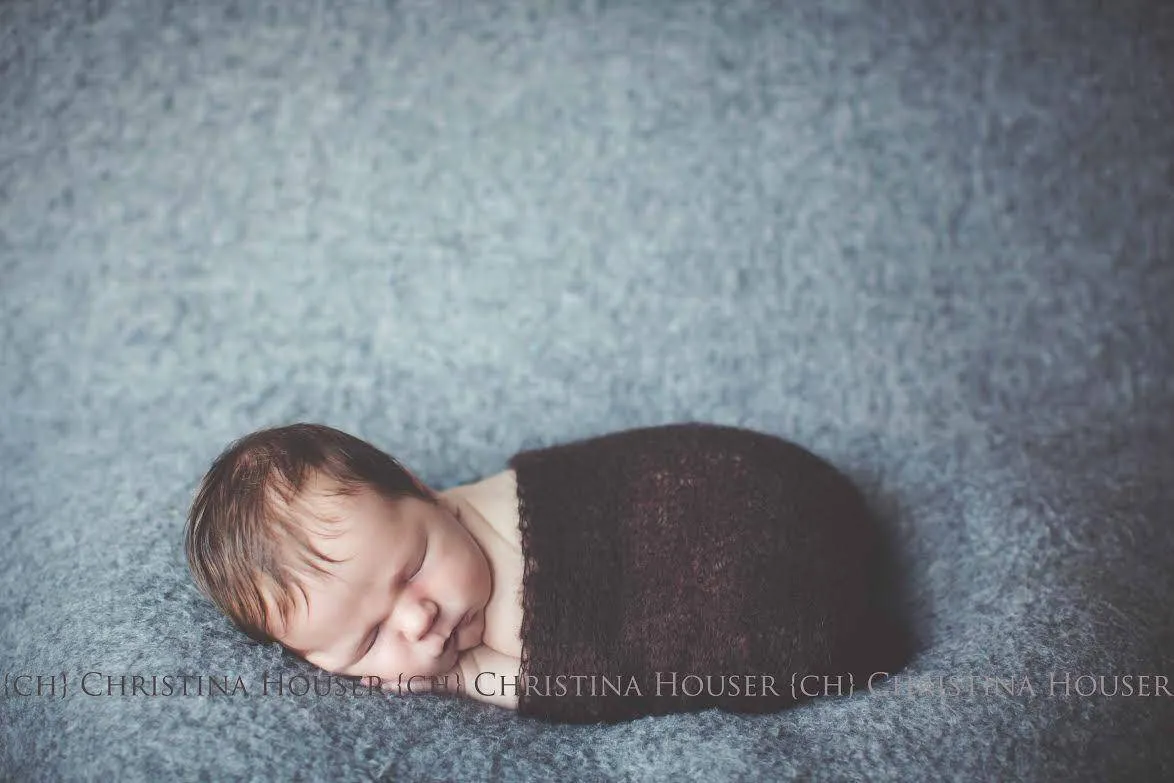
x: 243, y: 515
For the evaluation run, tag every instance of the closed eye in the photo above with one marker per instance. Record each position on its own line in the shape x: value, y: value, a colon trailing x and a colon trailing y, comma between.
x: 371, y: 646
x: 375, y: 631
x: 421, y: 565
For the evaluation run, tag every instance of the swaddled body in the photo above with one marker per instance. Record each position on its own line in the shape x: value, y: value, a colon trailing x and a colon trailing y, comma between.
x: 654, y: 570
x: 657, y: 556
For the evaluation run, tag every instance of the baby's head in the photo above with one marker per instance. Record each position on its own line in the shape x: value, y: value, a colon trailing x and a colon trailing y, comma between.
x: 312, y: 538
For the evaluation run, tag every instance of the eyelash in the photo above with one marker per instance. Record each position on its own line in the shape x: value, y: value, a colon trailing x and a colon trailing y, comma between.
x: 419, y: 567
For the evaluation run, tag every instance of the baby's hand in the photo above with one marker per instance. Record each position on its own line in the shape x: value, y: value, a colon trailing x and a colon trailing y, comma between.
x: 407, y: 685
x: 501, y: 668
x: 461, y: 679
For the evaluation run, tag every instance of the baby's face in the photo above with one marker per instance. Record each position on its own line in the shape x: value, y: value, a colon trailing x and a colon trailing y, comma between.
x: 408, y: 600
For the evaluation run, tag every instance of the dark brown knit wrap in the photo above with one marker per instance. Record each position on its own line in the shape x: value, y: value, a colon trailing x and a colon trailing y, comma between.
x: 689, y: 548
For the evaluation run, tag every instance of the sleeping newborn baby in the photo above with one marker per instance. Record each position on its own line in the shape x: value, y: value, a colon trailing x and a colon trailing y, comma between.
x: 655, y: 570
x: 356, y: 566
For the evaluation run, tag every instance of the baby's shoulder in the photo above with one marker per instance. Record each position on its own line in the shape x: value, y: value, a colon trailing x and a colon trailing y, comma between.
x: 495, y: 498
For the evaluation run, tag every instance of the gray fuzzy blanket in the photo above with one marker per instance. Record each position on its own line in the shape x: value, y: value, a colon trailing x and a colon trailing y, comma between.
x: 930, y: 241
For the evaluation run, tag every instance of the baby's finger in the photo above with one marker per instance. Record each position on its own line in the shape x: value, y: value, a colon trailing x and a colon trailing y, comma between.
x: 418, y: 684
x: 402, y: 686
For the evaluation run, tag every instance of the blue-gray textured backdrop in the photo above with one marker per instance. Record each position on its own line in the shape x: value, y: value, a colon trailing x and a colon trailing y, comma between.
x: 930, y: 240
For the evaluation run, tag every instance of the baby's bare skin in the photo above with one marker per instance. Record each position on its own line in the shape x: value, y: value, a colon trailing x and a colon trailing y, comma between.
x: 489, y: 511
x: 423, y: 589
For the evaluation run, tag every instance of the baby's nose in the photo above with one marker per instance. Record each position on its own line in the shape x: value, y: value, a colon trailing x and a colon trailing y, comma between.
x: 420, y: 619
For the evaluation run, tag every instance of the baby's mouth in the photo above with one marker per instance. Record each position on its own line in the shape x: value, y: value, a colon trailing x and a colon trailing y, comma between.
x: 451, y: 642
x: 449, y: 650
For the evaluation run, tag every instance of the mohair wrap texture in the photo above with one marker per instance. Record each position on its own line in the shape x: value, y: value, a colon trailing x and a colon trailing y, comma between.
x: 689, y: 549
